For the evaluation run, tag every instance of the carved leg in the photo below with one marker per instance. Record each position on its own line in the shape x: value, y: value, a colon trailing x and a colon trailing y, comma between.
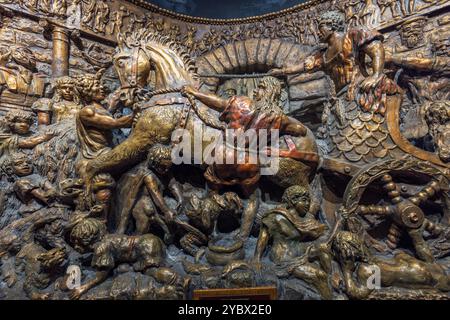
x: 353, y: 288
x: 167, y: 235
x: 151, y: 182
x: 125, y: 155
x: 142, y: 213
x: 128, y: 209
x: 248, y: 216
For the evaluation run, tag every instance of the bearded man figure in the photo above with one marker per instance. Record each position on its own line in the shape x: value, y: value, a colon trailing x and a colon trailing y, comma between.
x: 242, y: 114
x: 354, y: 123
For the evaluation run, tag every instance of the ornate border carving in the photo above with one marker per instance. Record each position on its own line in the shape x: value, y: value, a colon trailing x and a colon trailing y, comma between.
x: 190, y: 19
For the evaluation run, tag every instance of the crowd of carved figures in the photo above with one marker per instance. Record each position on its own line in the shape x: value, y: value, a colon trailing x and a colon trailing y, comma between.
x: 92, y: 205
x: 299, y: 26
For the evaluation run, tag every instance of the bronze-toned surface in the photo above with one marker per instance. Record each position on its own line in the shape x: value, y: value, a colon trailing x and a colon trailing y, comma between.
x: 94, y: 206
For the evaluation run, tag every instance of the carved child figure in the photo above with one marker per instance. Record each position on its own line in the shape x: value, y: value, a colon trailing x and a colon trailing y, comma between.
x: 30, y: 188
x: 144, y: 193
x: 35, y: 193
x: 146, y: 253
x: 29, y: 185
x: 63, y: 105
x: 42, y: 268
x: 19, y: 137
x: 203, y: 214
x: 16, y: 235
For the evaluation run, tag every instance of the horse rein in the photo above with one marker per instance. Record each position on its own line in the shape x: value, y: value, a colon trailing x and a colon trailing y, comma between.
x: 191, y: 104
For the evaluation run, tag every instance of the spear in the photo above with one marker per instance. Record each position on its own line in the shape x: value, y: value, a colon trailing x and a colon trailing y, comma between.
x: 232, y: 76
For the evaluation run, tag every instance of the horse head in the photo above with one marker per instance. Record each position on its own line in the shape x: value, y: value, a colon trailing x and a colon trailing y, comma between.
x: 144, y: 51
x: 131, y: 63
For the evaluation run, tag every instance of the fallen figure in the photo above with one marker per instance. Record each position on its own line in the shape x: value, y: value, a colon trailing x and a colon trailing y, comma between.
x: 145, y: 252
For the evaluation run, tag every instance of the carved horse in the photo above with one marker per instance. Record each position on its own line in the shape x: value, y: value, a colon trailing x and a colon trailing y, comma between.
x: 166, y: 110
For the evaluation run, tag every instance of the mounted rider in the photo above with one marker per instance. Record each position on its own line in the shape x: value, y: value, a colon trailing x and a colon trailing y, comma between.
x: 354, y: 125
x: 263, y: 112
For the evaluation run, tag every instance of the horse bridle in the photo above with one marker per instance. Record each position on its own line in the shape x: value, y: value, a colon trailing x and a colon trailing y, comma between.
x: 132, y: 80
x: 131, y: 84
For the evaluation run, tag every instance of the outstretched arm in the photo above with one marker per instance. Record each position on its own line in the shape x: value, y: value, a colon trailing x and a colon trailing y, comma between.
x: 30, y: 143
x: 311, y: 63
x: 209, y: 99
x: 263, y: 240
x: 100, y: 276
x: 299, y: 68
x: 90, y: 117
x: 418, y: 63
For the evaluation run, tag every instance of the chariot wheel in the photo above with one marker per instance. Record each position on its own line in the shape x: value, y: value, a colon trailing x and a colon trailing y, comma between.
x: 402, y: 202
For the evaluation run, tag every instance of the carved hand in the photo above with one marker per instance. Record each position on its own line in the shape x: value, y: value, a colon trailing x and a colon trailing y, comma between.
x: 188, y: 90
x: 49, y: 135
x: 41, y: 296
x: 371, y: 82
x: 114, y: 100
x: 276, y: 72
x: 75, y: 294
x: 96, y: 210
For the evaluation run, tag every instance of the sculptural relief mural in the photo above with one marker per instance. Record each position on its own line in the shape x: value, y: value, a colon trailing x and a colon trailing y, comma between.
x: 146, y: 154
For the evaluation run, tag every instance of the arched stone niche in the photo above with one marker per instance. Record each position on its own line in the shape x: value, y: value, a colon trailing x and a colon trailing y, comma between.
x: 307, y: 92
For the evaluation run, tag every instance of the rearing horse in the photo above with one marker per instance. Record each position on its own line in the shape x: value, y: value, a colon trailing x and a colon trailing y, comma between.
x: 166, y: 111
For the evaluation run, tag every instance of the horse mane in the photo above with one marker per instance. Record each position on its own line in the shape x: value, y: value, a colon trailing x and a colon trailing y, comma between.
x: 143, y: 37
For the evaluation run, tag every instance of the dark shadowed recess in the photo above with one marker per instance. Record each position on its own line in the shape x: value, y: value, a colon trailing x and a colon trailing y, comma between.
x: 225, y: 9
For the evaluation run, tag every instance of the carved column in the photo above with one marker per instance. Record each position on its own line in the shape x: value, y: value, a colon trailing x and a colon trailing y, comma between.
x: 61, y: 47
x: 61, y: 52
